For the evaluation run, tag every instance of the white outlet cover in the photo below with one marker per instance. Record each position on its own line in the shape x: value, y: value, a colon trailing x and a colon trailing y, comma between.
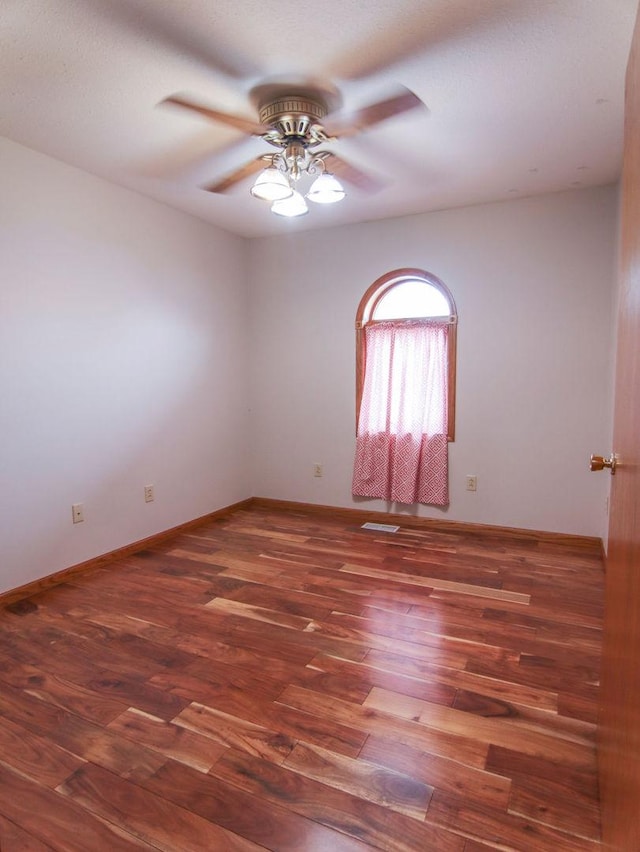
x: 77, y: 513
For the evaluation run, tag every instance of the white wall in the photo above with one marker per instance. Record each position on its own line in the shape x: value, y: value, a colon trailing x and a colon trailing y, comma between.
x: 122, y: 363
x: 533, y: 282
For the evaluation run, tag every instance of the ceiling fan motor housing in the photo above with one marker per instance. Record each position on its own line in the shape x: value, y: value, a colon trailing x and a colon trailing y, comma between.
x: 292, y: 116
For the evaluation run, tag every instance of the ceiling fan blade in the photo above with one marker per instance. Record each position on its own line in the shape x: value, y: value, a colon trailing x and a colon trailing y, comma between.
x: 341, y: 168
x: 237, y: 121
x: 194, y: 157
x: 239, y: 174
x: 349, y: 125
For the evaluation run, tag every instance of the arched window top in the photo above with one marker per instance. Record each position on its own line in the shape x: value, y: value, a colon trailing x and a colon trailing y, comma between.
x: 406, y: 294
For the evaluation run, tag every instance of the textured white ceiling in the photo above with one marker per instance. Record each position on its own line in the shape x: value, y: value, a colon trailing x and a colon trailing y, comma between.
x: 523, y: 96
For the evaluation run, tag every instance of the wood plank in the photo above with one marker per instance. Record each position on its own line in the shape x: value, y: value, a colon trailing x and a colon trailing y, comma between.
x: 62, y: 693
x: 362, y: 677
x: 34, y: 756
x: 301, y: 644
x: 476, y: 785
x: 525, y: 718
x: 396, y: 791
x: 246, y: 815
x: 379, y: 629
x: 167, y: 739
x: 54, y: 821
x: 476, y: 846
x: 436, y: 583
x: 582, y: 782
x: 77, y: 736
x: 508, y: 831
x: 146, y: 816
x: 577, y: 751
x: 288, y: 722
x: 578, y: 817
x: 430, y: 673
x: 229, y: 731
x: 305, y: 604
x: 244, y: 610
x: 333, y: 807
x: 15, y: 839
x: 466, y: 749
x: 102, y: 747
x: 538, y: 673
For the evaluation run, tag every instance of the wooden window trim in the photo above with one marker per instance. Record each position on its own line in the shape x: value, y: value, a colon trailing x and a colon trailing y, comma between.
x: 366, y: 309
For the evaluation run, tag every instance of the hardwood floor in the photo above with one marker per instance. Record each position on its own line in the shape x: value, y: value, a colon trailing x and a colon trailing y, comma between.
x: 276, y: 680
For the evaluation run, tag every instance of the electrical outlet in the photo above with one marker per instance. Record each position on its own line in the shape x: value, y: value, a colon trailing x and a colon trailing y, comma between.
x: 148, y: 494
x: 317, y: 470
x: 472, y: 483
x: 77, y: 513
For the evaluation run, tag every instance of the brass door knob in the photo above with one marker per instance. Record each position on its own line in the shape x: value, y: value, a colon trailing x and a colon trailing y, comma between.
x: 599, y: 462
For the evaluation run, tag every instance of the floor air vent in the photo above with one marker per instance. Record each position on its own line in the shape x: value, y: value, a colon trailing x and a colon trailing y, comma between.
x: 380, y: 527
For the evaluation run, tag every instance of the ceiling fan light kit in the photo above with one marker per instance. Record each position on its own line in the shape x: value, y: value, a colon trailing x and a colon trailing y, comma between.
x: 276, y: 183
x: 294, y: 205
x: 290, y: 117
x: 326, y: 189
x: 271, y: 185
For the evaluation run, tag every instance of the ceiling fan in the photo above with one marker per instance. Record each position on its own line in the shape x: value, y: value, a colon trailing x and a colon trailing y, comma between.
x: 297, y: 119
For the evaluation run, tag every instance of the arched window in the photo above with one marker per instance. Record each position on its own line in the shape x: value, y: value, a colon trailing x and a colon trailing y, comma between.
x: 405, y: 388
